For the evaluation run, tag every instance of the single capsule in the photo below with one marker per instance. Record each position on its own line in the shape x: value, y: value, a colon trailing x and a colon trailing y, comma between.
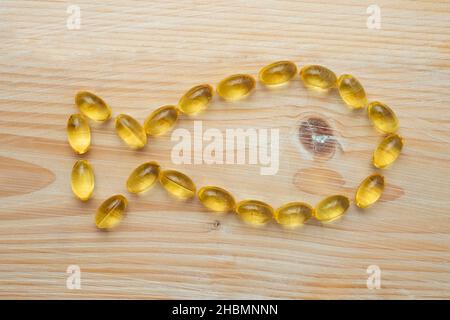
x: 131, y: 131
x: 143, y: 177
x: 111, y: 212
x: 236, y: 87
x: 369, y: 191
x: 316, y: 76
x: 277, y: 73
x: 78, y: 133
x: 352, y: 92
x: 331, y: 208
x: 216, y: 199
x: 82, y: 180
x: 254, y: 211
x: 387, y: 151
x: 382, y: 117
x: 196, y: 99
x: 177, y: 184
x: 92, y: 106
x: 293, y: 214
x: 161, y: 120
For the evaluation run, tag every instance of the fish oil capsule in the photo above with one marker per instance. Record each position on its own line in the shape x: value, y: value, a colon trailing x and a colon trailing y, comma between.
x: 161, y: 120
x: 387, y: 151
x: 254, y: 211
x: 293, y: 214
x: 143, y: 177
x: 82, y: 180
x: 78, y: 133
x: 111, y: 212
x: 316, y: 76
x: 277, y: 73
x: 331, y: 208
x: 382, y: 117
x: 370, y: 190
x: 352, y: 92
x: 216, y: 199
x: 236, y: 87
x: 178, y: 184
x: 92, y: 106
x: 131, y: 131
x: 196, y: 99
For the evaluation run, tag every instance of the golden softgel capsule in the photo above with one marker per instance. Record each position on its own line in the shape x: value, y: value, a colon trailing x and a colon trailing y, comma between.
x: 131, y: 131
x: 331, y: 208
x: 382, y: 117
x: 161, y: 120
x: 82, y: 180
x: 143, y: 177
x: 236, y: 87
x: 78, y: 133
x: 370, y: 190
x: 352, y: 92
x: 254, y: 211
x: 387, y: 151
x: 316, y: 76
x: 293, y: 214
x: 111, y: 212
x: 277, y: 73
x: 178, y: 184
x: 216, y: 199
x: 92, y: 106
x: 196, y: 99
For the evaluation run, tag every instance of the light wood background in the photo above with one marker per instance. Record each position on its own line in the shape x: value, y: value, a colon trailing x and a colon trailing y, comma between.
x: 139, y: 56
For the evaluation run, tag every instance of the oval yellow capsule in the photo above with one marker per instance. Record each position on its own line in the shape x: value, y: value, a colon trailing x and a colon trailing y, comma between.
x: 254, y: 211
x: 277, y: 73
x: 131, y: 131
x: 143, y: 177
x: 196, y: 99
x: 331, y: 208
x: 387, y: 151
x: 82, y: 180
x: 178, y: 184
x: 352, y: 92
x: 111, y: 212
x: 92, y: 106
x: 293, y: 214
x: 161, y: 120
x: 78, y: 133
x: 370, y: 190
x: 216, y: 199
x: 236, y: 87
x: 316, y: 76
x: 382, y: 117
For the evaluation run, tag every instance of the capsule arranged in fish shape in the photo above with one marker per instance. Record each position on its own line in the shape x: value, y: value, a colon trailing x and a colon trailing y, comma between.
x: 293, y: 214
x: 236, y: 87
x: 254, y: 212
x: 111, y: 212
x: 370, y: 190
x: 352, y: 91
x: 196, y: 99
x: 131, y: 131
x: 216, y: 199
x: 331, y: 208
x: 79, y: 133
x: 143, y: 177
x: 82, y: 180
x: 161, y: 120
x: 387, y: 151
x: 316, y: 76
x: 92, y: 106
x: 177, y: 184
x: 382, y: 117
x: 277, y: 73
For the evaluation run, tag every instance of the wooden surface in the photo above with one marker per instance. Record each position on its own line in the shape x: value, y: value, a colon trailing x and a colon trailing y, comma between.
x: 140, y: 56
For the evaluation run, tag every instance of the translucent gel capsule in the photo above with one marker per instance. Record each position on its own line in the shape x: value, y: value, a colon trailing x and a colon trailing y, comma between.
x: 352, y: 92
x: 316, y: 76
x: 293, y: 214
x: 178, y: 184
x: 131, y: 131
x: 236, y: 87
x: 254, y: 211
x: 331, y: 208
x: 196, y: 99
x: 92, y: 106
x: 78, y: 133
x: 216, y: 199
x: 277, y: 73
x: 82, y: 180
x: 161, y: 120
x: 369, y: 191
x: 387, y: 151
x: 143, y: 177
x: 111, y: 212
x: 382, y: 117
